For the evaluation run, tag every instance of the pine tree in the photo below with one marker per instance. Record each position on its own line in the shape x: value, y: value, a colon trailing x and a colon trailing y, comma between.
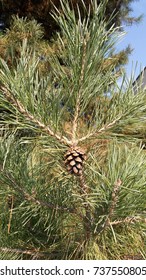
x: 40, y: 10
x: 71, y: 188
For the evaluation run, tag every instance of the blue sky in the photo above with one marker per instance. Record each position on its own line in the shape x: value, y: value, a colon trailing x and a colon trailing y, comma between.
x: 136, y: 37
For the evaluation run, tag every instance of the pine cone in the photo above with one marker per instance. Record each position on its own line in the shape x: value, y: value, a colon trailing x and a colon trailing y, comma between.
x: 74, y: 159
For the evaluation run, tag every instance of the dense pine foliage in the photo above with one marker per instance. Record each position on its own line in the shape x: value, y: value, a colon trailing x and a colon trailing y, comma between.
x: 72, y: 184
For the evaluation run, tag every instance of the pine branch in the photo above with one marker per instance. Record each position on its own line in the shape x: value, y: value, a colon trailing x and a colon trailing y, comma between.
x: 30, y: 117
x: 114, y: 199
x: 31, y: 198
x: 75, y: 121
x: 128, y: 220
x: 36, y: 254
x: 11, y: 213
x: 84, y: 187
x: 77, y: 108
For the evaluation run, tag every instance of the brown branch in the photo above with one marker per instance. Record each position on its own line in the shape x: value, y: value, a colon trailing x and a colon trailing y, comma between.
x: 30, y: 117
x: 83, y: 186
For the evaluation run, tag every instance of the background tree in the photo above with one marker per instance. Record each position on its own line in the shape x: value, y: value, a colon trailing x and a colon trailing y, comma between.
x: 40, y: 10
x: 71, y: 189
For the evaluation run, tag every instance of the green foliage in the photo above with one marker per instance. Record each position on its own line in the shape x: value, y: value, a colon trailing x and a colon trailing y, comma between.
x: 83, y: 82
x: 9, y: 255
x: 47, y: 212
x: 48, y: 209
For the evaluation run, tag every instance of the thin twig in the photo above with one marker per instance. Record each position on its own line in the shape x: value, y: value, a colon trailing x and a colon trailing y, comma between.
x: 128, y: 220
x: 23, y: 111
x: 101, y: 130
x: 77, y: 107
